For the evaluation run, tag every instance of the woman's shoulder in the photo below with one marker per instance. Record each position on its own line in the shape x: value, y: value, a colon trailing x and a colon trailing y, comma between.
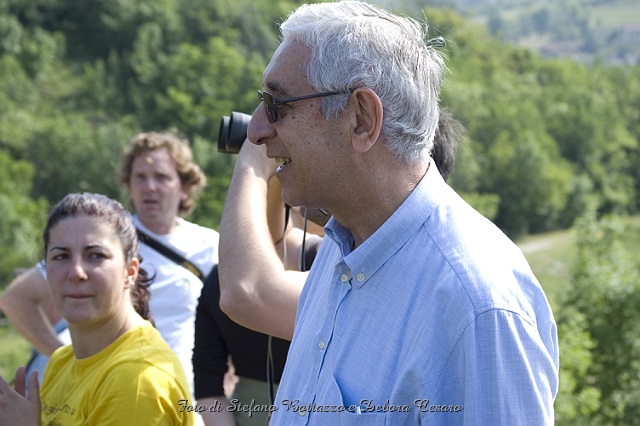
x: 143, y: 360
x: 144, y: 345
x: 60, y: 361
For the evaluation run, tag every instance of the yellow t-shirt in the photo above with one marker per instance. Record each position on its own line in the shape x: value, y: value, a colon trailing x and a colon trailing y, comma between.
x: 136, y: 380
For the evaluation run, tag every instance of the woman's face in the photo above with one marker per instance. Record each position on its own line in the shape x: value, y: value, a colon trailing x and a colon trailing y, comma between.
x: 87, y: 273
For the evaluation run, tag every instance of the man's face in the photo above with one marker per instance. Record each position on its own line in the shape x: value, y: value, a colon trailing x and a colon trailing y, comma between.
x: 156, y: 190
x: 311, y: 150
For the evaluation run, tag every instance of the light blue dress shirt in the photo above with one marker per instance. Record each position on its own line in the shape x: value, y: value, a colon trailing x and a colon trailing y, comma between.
x: 435, y: 319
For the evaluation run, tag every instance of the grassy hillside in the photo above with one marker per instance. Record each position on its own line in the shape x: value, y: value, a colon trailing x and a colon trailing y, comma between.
x: 586, y: 30
x: 551, y: 257
x: 14, y: 351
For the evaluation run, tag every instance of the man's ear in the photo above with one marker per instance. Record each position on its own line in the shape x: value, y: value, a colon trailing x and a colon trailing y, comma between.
x: 368, y: 119
x: 185, y: 192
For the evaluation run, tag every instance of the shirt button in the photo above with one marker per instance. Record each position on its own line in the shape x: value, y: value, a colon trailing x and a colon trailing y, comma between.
x: 322, y: 344
x: 344, y: 278
x: 360, y: 277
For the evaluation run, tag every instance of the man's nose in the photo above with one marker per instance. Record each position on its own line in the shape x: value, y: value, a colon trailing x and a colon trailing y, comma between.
x: 260, y: 130
x: 149, y: 183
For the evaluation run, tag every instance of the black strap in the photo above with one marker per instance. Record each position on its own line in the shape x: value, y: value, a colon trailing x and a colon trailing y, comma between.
x: 169, y: 254
x: 270, y: 373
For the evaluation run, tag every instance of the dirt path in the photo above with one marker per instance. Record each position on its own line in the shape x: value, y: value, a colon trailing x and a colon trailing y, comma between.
x: 536, y: 243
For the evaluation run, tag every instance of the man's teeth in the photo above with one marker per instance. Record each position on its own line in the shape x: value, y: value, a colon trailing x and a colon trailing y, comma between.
x: 282, y: 161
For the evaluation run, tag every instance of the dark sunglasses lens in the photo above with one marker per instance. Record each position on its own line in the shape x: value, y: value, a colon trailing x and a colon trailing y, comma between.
x: 270, y: 107
x: 267, y: 103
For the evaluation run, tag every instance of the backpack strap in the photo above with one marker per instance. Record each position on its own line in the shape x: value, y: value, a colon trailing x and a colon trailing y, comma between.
x: 169, y: 253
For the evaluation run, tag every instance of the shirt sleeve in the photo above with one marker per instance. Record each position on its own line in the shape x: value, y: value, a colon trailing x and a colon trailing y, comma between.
x: 210, y: 352
x: 500, y: 372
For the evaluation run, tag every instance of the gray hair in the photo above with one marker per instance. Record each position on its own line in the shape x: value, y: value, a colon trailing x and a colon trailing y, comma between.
x: 354, y: 44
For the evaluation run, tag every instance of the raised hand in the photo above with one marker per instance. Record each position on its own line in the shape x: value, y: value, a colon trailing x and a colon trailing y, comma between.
x: 15, y: 407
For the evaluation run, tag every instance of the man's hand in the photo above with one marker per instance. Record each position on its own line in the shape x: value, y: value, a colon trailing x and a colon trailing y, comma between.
x: 255, y: 157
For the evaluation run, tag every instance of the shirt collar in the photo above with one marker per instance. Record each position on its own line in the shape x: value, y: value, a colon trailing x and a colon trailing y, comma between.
x: 363, y: 262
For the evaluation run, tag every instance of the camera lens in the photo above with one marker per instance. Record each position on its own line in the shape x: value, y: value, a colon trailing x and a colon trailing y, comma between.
x: 233, y: 132
x: 223, y: 134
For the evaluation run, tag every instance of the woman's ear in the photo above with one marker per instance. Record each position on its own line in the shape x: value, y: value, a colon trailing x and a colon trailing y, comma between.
x: 368, y: 119
x: 131, y: 273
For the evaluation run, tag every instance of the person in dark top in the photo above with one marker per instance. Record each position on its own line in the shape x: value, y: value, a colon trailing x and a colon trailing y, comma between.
x: 218, y: 338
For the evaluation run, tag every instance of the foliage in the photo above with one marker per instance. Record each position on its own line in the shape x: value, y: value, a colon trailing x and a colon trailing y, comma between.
x: 73, y: 140
x: 588, y: 30
x: 602, y: 305
x: 486, y: 204
x: 14, y: 350
x: 210, y: 203
x: 578, y: 398
x: 542, y: 134
x: 20, y: 216
x: 545, y: 139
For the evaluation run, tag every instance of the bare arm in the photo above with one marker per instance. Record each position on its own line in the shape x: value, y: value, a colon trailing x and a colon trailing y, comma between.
x: 256, y: 290
x: 27, y: 304
x: 216, y: 411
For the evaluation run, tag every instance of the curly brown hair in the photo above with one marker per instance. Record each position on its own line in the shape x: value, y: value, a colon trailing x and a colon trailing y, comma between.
x: 191, y: 176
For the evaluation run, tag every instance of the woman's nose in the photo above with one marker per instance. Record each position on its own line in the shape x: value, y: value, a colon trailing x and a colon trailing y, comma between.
x: 77, y: 271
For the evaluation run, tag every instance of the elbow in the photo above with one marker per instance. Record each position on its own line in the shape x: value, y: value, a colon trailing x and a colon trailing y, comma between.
x: 234, y: 299
x: 226, y: 304
x: 231, y: 305
x: 6, y: 300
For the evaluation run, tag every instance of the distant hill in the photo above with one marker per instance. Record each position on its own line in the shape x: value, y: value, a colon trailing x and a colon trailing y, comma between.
x: 585, y: 30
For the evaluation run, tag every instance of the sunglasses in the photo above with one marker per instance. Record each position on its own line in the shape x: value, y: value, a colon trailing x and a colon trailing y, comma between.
x: 272, y: 104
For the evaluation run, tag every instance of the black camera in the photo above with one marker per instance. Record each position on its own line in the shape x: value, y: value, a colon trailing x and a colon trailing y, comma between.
x: 233, y: 132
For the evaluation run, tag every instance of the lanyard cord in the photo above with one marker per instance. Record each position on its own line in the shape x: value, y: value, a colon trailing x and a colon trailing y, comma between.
x: 270, y: 372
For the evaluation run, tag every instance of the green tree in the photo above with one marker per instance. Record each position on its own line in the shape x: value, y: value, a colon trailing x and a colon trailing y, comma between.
x: 21, y: 217
x: 197, y: 86
x: 578, y: 399
x: 606, y: 292
x: 218, y: 168
x: 74, y: 153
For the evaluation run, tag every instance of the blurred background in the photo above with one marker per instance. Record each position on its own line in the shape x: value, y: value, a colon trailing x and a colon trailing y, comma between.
x: 548, y: 91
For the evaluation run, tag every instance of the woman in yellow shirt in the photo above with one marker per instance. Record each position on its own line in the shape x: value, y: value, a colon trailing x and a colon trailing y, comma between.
x: 118, y: 370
